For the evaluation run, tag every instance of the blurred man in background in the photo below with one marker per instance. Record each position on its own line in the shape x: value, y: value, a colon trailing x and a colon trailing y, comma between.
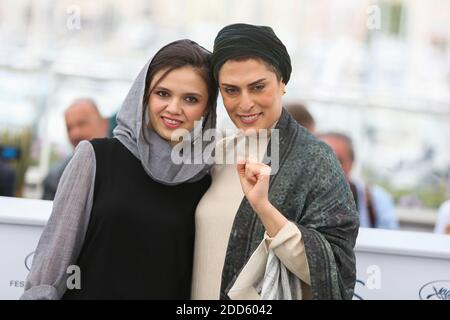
x: 83, y: 122
x: 302, y: 116
x: 375, y: 205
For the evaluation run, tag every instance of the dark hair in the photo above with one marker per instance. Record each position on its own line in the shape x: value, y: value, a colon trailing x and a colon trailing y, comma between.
x: 301, y: 114
x: 343, y: 137
x: 179, y: 54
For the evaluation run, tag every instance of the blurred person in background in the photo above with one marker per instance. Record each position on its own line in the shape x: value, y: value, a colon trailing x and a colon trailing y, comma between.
x: 301, y: 114
x: 375, y: 205
x: 7, y: 179
x: 443, y: 219
x: 83, y: 122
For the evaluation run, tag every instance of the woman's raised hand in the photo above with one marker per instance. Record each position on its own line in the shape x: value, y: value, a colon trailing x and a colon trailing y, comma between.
x: 254, y: 177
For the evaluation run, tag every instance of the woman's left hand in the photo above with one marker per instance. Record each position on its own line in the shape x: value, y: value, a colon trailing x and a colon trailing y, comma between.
x: 254, y: 177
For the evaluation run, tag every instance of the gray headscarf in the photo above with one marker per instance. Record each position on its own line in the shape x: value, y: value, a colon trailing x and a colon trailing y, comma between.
x: 155, y: 156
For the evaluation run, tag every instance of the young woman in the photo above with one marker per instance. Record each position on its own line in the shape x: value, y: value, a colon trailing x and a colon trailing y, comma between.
x: 304, y: 212
x: 123, y: 216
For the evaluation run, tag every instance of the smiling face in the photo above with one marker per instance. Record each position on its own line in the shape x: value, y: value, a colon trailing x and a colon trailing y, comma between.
x: 178, y: 100
x: 251, y: 93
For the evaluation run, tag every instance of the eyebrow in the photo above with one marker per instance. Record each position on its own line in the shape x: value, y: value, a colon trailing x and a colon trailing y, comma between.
x: 249, y: 85
x: 186, y: 94
x: 193, y: 94
x: 161, y: 88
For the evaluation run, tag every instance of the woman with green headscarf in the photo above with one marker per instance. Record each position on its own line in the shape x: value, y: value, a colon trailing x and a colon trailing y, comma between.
x: 302, y: 213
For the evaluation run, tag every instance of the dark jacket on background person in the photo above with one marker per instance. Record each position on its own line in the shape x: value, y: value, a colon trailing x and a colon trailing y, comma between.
x: 7, y: 180
x: 51, y: 181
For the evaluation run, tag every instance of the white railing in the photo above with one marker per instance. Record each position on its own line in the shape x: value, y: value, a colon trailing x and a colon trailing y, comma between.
x: 390, y: 264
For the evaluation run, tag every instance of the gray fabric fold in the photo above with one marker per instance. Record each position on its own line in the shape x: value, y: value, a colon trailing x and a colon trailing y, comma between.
x: 63, y: 236
x: 277, y: 283
x: 42, y: 292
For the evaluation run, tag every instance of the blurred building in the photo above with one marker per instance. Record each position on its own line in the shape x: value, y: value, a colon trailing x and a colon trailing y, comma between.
x: 379, y: 70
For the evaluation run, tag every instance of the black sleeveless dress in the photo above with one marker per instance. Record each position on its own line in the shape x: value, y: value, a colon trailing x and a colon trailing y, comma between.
x: 140, y: 238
